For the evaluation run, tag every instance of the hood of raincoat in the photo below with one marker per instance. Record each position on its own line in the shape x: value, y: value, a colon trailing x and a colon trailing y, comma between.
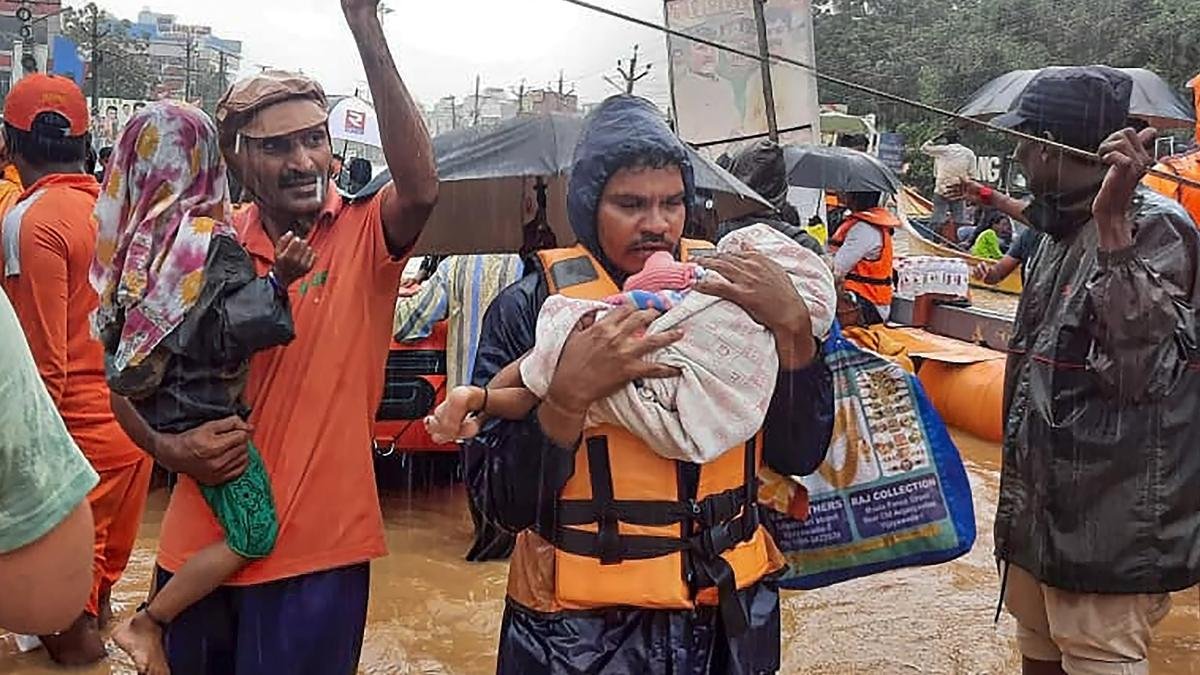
x: 623, y: 131
x: 762, y: 167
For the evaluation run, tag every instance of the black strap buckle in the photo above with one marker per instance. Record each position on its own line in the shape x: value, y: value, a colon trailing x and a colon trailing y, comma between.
x: 609, y: 542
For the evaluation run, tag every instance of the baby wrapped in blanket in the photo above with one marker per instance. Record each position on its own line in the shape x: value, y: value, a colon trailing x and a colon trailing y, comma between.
x: 728, y: 363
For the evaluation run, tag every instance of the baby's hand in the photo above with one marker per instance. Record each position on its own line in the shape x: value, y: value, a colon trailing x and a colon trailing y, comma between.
x: 452, y: 420
x: 293, y: 259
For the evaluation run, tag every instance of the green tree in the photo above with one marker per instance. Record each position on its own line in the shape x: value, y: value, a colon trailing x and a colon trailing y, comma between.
x: 121, y: 57
x: 941, y: 51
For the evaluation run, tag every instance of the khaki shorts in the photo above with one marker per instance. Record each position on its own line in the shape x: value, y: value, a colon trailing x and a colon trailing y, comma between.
x: 1089, y: 634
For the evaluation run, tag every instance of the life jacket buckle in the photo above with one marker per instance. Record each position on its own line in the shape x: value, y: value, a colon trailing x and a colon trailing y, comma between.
x: 609, y: 535
x: 713, y: 541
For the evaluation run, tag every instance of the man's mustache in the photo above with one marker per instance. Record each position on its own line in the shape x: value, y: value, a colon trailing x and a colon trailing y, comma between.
x: 294, y: 179
x: 652, y: 241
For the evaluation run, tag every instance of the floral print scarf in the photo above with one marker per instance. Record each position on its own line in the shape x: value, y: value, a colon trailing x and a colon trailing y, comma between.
x: 165, y: 196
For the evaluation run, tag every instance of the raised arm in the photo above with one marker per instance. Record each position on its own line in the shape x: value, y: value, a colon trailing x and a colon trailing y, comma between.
x: 408, y: 201
x: 1145, y: 292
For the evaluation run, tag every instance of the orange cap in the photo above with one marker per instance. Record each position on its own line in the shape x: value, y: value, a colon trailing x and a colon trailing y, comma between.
x: 40, y: 93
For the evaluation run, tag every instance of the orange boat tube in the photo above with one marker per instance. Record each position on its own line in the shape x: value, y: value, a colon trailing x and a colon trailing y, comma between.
x: 969, y: 397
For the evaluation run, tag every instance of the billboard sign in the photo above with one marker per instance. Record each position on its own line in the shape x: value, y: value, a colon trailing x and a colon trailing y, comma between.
x: 718, y: 95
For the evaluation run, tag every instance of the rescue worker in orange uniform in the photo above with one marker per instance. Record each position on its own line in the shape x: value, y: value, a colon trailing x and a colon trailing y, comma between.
x: 49, y: 241
x: 1186, y: 165
x: 627, y: 562
x: 863, y: 254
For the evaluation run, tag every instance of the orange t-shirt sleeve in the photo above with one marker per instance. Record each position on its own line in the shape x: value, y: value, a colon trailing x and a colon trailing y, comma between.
x: 40, y: 299
x: 380, y: 253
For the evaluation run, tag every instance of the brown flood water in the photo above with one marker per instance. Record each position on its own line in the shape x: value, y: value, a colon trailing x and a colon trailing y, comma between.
x: 433, y: 613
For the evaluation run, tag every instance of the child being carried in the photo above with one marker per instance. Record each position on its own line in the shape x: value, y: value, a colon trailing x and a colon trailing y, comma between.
x: 728, y: 363
x: 181, y: 312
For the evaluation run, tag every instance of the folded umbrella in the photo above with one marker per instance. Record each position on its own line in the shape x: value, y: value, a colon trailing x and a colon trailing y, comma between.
x: 837, y: 170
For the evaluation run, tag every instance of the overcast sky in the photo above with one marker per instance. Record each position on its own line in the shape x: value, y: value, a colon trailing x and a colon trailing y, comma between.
x: 440, y: 45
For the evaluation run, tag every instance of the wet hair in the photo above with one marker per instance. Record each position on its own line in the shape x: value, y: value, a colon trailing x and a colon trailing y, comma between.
x: 862, y: 201
x: 854, y: 142
x: 139, y: 105
x: 656, y: 158
x: 338, y: 158
x: 112, y: 108
x: 105, y: 153
x: 47, y: 142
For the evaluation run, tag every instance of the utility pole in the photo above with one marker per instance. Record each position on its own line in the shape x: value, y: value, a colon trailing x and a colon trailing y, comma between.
x: 630, y: 77
x: 222, y: 74
x: 760, y: 18
x: 187, y: 73
x: 475, y: 121
x: 96, y: 58
x: 520, y: 92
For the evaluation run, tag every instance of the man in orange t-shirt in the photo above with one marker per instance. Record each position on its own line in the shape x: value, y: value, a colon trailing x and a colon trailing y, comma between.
x: 49, y: 241
x: 303, y: 609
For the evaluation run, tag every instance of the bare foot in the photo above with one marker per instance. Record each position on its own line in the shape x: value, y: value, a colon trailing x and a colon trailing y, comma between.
x: 79, y: 645
x: 142, y: 640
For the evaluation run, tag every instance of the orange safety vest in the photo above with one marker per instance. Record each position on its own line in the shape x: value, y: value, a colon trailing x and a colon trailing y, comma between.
x: 628, y: 531
x: 1187, y: 166
x: 870, y: 279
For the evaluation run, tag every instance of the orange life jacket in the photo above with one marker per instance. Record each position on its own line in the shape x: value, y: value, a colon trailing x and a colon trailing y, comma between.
x: 1187, y: 166
x: 870, y: 278
x: 629, y: 530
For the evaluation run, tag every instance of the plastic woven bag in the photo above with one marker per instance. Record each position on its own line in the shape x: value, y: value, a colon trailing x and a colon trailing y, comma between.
x: 892, y: 492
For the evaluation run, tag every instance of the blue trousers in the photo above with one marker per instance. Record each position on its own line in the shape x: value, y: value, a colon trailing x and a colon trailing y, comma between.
x: 309, y: 625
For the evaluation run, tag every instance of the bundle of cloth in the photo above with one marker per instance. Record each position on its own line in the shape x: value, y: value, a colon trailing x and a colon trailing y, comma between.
x: 728, y: 363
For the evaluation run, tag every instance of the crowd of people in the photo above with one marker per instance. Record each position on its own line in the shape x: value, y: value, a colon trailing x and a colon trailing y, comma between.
x: 145, y: 321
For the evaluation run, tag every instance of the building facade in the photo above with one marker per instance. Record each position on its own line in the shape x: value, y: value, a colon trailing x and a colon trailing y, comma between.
x: 189, y: 61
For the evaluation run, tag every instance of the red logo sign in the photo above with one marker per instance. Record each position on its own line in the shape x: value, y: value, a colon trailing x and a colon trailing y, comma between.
x: 356, y: 122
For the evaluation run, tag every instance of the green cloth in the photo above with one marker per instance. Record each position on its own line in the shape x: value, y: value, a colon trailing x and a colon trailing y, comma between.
x: 43, y: 475
x: 988, y: 246
x: 246, y: 510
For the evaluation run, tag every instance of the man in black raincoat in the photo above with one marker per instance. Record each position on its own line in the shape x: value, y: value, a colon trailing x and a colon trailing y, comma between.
x: 630, y: 190
x: 1099, y: 511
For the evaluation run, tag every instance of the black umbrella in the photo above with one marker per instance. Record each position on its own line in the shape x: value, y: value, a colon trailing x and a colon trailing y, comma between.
x: 837, y: 170
x: 540, y: 145
x: 487, y: 173
x: 1153, y: 100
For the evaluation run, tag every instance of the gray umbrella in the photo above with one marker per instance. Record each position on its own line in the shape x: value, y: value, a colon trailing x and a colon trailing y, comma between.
x: 485, y: 173
x: 544, y: 145
x: 1153, y: 101
x: 837, y: 170
x: 540, y: 145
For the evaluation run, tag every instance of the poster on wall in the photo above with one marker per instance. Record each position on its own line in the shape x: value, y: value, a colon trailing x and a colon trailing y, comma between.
x: 718, y: 95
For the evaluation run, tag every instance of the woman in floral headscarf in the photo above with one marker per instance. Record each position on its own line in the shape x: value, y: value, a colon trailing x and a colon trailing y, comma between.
x: 181, y: 312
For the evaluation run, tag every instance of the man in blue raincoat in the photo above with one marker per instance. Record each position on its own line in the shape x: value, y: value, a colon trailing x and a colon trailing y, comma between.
x: 627, y: 562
